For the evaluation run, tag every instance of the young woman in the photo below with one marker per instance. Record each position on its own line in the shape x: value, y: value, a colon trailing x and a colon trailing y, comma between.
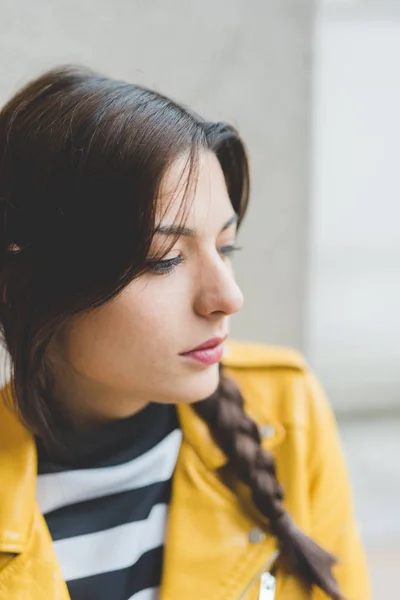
x: 133, y: 465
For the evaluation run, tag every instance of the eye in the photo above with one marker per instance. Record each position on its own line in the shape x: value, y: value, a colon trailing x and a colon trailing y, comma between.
x: 164, y: 266
x: 228, y: 250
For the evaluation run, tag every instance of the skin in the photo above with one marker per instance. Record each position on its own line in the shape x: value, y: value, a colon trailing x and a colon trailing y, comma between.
x: 111, y: 362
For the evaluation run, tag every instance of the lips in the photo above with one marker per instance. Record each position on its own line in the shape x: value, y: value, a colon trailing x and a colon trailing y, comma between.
x: 212, y: 343
x: 208, y: 353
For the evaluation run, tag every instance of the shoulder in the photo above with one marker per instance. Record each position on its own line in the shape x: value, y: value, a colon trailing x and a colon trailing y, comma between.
x: 244, y: 355
x: 276, y: 383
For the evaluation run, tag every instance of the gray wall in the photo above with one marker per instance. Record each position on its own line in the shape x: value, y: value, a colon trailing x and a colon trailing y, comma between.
x: 353, y: 325
x: 245, y: 61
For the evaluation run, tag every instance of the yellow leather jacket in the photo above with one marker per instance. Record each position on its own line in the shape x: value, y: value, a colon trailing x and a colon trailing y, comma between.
x: 215, y: 548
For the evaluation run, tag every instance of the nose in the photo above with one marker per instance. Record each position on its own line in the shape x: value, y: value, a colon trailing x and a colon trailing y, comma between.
x: 217, y: 292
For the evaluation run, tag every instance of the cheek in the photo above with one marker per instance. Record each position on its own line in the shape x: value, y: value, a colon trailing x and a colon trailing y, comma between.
x: 135, y: 328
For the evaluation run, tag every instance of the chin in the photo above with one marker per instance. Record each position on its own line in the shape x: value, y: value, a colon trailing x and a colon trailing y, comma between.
x: 200, y: 386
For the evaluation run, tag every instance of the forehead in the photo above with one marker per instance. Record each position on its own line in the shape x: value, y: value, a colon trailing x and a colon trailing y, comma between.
x: 200, y: 198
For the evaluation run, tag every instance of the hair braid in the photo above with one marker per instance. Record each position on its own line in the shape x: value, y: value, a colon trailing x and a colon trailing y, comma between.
x: 239, y: 437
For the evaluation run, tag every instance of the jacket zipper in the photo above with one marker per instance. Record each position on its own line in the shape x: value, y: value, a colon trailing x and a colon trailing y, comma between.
x: 267, y: 583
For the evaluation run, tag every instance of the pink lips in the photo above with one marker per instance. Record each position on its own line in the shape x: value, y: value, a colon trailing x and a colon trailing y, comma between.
x: 208, y: 353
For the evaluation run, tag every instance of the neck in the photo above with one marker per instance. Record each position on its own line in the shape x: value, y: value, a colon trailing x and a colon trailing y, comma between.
x: 88, y: 403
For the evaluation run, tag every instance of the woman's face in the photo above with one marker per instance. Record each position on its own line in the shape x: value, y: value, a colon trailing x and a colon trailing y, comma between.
x: 114, y: 360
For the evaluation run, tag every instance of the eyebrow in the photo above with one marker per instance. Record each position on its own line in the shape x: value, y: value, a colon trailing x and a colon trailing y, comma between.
x: 188, y: 231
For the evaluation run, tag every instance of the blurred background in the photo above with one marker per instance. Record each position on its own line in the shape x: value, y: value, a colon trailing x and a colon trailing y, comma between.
x: 314, y: 88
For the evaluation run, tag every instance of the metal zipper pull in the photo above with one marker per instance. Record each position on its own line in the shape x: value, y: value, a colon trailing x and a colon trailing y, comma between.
x: 264, y: 571
x: 267, y: 587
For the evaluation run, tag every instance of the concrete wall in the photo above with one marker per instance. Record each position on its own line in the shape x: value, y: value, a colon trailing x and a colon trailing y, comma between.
x: 245, y: 61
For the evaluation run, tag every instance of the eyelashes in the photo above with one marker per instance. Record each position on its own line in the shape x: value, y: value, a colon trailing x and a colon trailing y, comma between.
x: 229, y: 250
x: 169, y: 264
x: 164, y: 266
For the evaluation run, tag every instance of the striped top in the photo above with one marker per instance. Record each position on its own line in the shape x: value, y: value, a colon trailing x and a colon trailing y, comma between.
x: 105, y: 496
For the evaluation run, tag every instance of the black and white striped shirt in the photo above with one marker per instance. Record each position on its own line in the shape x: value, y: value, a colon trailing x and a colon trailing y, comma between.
x: 105, y: 498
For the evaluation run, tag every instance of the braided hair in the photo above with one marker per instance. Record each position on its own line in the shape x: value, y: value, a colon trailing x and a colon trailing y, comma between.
x: 239, y: 438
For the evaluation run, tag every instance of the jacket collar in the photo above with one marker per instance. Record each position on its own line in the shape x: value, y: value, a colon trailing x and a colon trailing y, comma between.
x: 18, y: 469
x: 18, y: 459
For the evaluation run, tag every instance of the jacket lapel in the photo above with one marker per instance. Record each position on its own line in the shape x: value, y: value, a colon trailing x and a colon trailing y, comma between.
x: 18, y: 474
x: 208, y: 551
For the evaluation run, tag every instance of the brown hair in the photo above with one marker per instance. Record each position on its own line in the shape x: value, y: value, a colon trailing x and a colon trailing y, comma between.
x: 81, y: 160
